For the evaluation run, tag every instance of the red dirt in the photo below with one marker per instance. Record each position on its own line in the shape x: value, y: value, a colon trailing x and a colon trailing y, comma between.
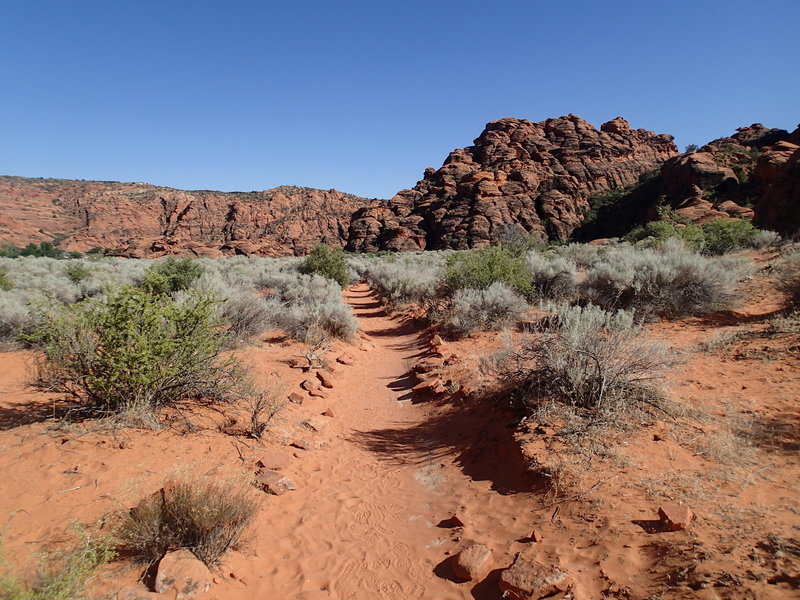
x: 367, y: 519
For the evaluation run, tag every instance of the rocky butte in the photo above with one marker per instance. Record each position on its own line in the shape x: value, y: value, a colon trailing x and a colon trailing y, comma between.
x: 536, y: 177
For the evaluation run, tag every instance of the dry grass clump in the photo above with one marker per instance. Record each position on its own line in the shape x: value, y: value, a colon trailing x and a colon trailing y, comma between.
x: 205, y: 517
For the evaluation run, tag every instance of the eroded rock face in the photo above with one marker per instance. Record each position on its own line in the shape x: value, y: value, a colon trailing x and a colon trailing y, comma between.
x: 536, y: 177
x: 140, y: 220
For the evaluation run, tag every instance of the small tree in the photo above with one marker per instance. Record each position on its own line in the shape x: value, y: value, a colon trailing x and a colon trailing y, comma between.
x: 328, y: 262
x: 171, y: 275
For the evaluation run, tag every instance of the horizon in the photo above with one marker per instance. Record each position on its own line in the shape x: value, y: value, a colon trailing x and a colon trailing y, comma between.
x: 362, y: 98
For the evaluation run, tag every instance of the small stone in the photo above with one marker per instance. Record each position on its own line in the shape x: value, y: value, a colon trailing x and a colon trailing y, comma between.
x: 308, y: 444
x: 273, y: 460
x: 528, y: 579
x: 310, y: 385
x: 473, y: 563
x: 317, y: 423
x: 536, y: 535
x: 328, y: 413
x: 131, y: 593
x: 317, y: 394
x: 437, y: 340
x: 295, y: 398
x: 675, y: 517
x: 346, y: 359
x: 274, y: 483
x: 217, y: 580
x: 455, y: 521
x: 325, y: 379
x: 299, y: 363
x: 428, y: 365
x: 182, y: 572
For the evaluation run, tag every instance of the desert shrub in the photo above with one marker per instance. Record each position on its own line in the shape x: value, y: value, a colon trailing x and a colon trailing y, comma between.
x: 554, y: 278
x: 583, y: 255
x: 471, y: 310
x: 655, y: 233
x: 308, y: 307
x: 667, y: 282
x: 406, y: 280
x: 171, y: 275
x: 62, y: 574
x: 588, y: 358
x: 15, y: 318
x: 790, y: 278
x: 76, y: 272
x: 727, y: 235
x: 133, y: 351
x: 262, y: 408
x: 205, y: 517
x: 478, y: 269
x: 764, y: 238
x: 5, y: 281
x: 247, y: 315
x: 327, y: 262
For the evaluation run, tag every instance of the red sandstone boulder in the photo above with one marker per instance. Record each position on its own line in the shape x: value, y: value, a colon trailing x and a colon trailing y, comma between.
x: 473, y: 563
x: 181, y: 572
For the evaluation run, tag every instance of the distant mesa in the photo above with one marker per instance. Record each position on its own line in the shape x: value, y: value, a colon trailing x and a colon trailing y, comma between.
x: 558, y: 179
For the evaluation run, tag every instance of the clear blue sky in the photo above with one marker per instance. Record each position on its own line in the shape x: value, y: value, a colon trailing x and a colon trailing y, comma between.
x: 363, y: 95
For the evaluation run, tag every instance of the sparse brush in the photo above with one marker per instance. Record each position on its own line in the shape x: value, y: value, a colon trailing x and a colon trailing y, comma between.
x: 262, y: 407
x: 790, y: 278
x: 471, y: 310
x: 206, y: 517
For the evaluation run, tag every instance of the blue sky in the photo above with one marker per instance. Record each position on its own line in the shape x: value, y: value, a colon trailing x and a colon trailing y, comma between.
x: 363, y: 95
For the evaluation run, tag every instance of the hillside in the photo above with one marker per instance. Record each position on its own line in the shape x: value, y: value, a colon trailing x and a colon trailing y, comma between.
x: 139, y: 220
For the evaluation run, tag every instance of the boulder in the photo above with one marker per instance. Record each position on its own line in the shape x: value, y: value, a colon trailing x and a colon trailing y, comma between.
x: 675, y: 517
x: 528, y: 579
x: 310, y: 385
x: 473, y: 563
x: 181, y: 572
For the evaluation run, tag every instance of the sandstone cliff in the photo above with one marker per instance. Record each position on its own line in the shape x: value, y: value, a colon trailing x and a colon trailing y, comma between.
x: 139, y: 220
x: 536, y: 177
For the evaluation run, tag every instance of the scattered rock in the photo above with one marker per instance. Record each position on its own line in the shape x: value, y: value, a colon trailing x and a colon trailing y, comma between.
x: 675, y: 517
x: 299, y: 363
x: 536, y: 536
x: 295, y: 398
x: 317, y: 394
x: 308, y: 444
x: 274, y: 483
x: 437, y: 340
x: 528, y: 579
x: 273, y: 460
x: 454, y: 521
x: 428, y: 365
x: 310, y: 385
x: 317, y: 423
x: 131, y: 593
x: 346, y: 359
x: 473, y: 563
x: 328, y: 413
x: 182, y: 572
x: 325, y: 379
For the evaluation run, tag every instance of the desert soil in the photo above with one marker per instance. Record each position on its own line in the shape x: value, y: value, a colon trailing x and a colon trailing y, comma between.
x: 382, y: 476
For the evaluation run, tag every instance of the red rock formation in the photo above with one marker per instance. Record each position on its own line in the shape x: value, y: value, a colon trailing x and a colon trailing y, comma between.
x: 533, y: 176
x: 139, y: 220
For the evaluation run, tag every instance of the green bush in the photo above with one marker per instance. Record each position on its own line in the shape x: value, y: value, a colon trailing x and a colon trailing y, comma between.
x: 171, y: 275
x: 479, y: 269
x: 61, y: 575
x: 205, y: 517
x: 327, y: 262
x: 134, y: 352
x: 727, y: 235
x: 76, y: 272
x: 656, y: 232
x: 5, y: 282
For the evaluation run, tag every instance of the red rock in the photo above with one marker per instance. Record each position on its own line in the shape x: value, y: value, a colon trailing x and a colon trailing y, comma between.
x: 295, y: 398
x: 325, y: 379
x: 299, y: 363
x: 318, y: 394
x: 528, y: 579
x: 308, y: 443
x: 473, y: 563
x: 428, y: 365
x: 328, y: 413
x: 675, y: 517
x: 455, y: 520
x: 437, y: 340
x: 317, y: 423
x: 346, y: 359
x: 182, y: 572
x: 536, y: 535
x: 132, y: 593
x: 310, y: 384
x: 272, y: 460
x: 274, y: 483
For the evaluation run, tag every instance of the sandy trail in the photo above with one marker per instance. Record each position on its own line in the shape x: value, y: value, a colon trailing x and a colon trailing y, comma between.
x: 364, y: 521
